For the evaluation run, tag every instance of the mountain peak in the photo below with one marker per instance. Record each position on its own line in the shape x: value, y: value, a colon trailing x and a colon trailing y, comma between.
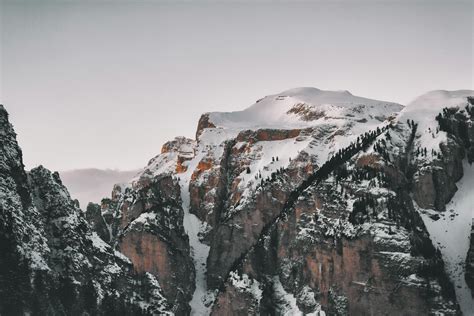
x: 312, y: 91
x: 301, y: 107
x: 3, y: 111
x: 301, y: 91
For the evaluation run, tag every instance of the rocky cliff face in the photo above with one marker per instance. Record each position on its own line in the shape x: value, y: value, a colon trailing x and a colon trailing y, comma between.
x: 352, y: 243
x: 52, y: 262
x: 146, y: 223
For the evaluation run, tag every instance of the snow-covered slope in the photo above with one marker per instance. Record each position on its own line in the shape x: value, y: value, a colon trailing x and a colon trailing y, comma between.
x: 304, y: 107
x: 432, y: 103
x: 339, y: 112
x: 330, y: 120
x: 423, y: 111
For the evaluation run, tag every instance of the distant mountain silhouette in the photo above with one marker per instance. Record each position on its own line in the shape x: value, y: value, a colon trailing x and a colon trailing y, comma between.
x: 91, y: 185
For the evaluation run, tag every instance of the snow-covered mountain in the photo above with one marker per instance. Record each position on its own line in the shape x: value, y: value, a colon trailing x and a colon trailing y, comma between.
x: 349, y: 163
x: 307, y: 202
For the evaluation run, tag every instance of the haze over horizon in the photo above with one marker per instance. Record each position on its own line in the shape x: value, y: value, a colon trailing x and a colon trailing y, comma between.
x: 103, y: 85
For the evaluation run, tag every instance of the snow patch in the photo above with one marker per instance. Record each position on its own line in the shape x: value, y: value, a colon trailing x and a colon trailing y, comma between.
x: 287, y: 302
x: 98, y: 243
x: 122, y: 257
x: 38, y: 262
x: 144, y: 219
x: 245, y: 284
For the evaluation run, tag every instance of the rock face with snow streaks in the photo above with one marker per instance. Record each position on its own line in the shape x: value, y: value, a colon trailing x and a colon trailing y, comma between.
x: 146, y: 222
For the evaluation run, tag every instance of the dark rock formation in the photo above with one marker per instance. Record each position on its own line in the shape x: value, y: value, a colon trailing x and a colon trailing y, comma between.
x: 203, y: 123
x: 147, y: 226
x: 97, y: 222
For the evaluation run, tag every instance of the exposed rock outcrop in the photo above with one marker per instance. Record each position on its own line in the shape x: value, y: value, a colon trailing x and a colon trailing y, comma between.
x: 147, y: 226
x: 435, y: 183
x: 202, y: 124
x: 97, y: 222
x: 240, y: 231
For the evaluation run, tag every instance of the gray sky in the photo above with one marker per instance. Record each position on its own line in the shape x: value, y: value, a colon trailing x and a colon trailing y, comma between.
x: 105, y: 84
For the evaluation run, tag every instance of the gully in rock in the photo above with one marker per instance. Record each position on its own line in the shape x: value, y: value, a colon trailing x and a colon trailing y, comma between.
x: 201, y: 301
